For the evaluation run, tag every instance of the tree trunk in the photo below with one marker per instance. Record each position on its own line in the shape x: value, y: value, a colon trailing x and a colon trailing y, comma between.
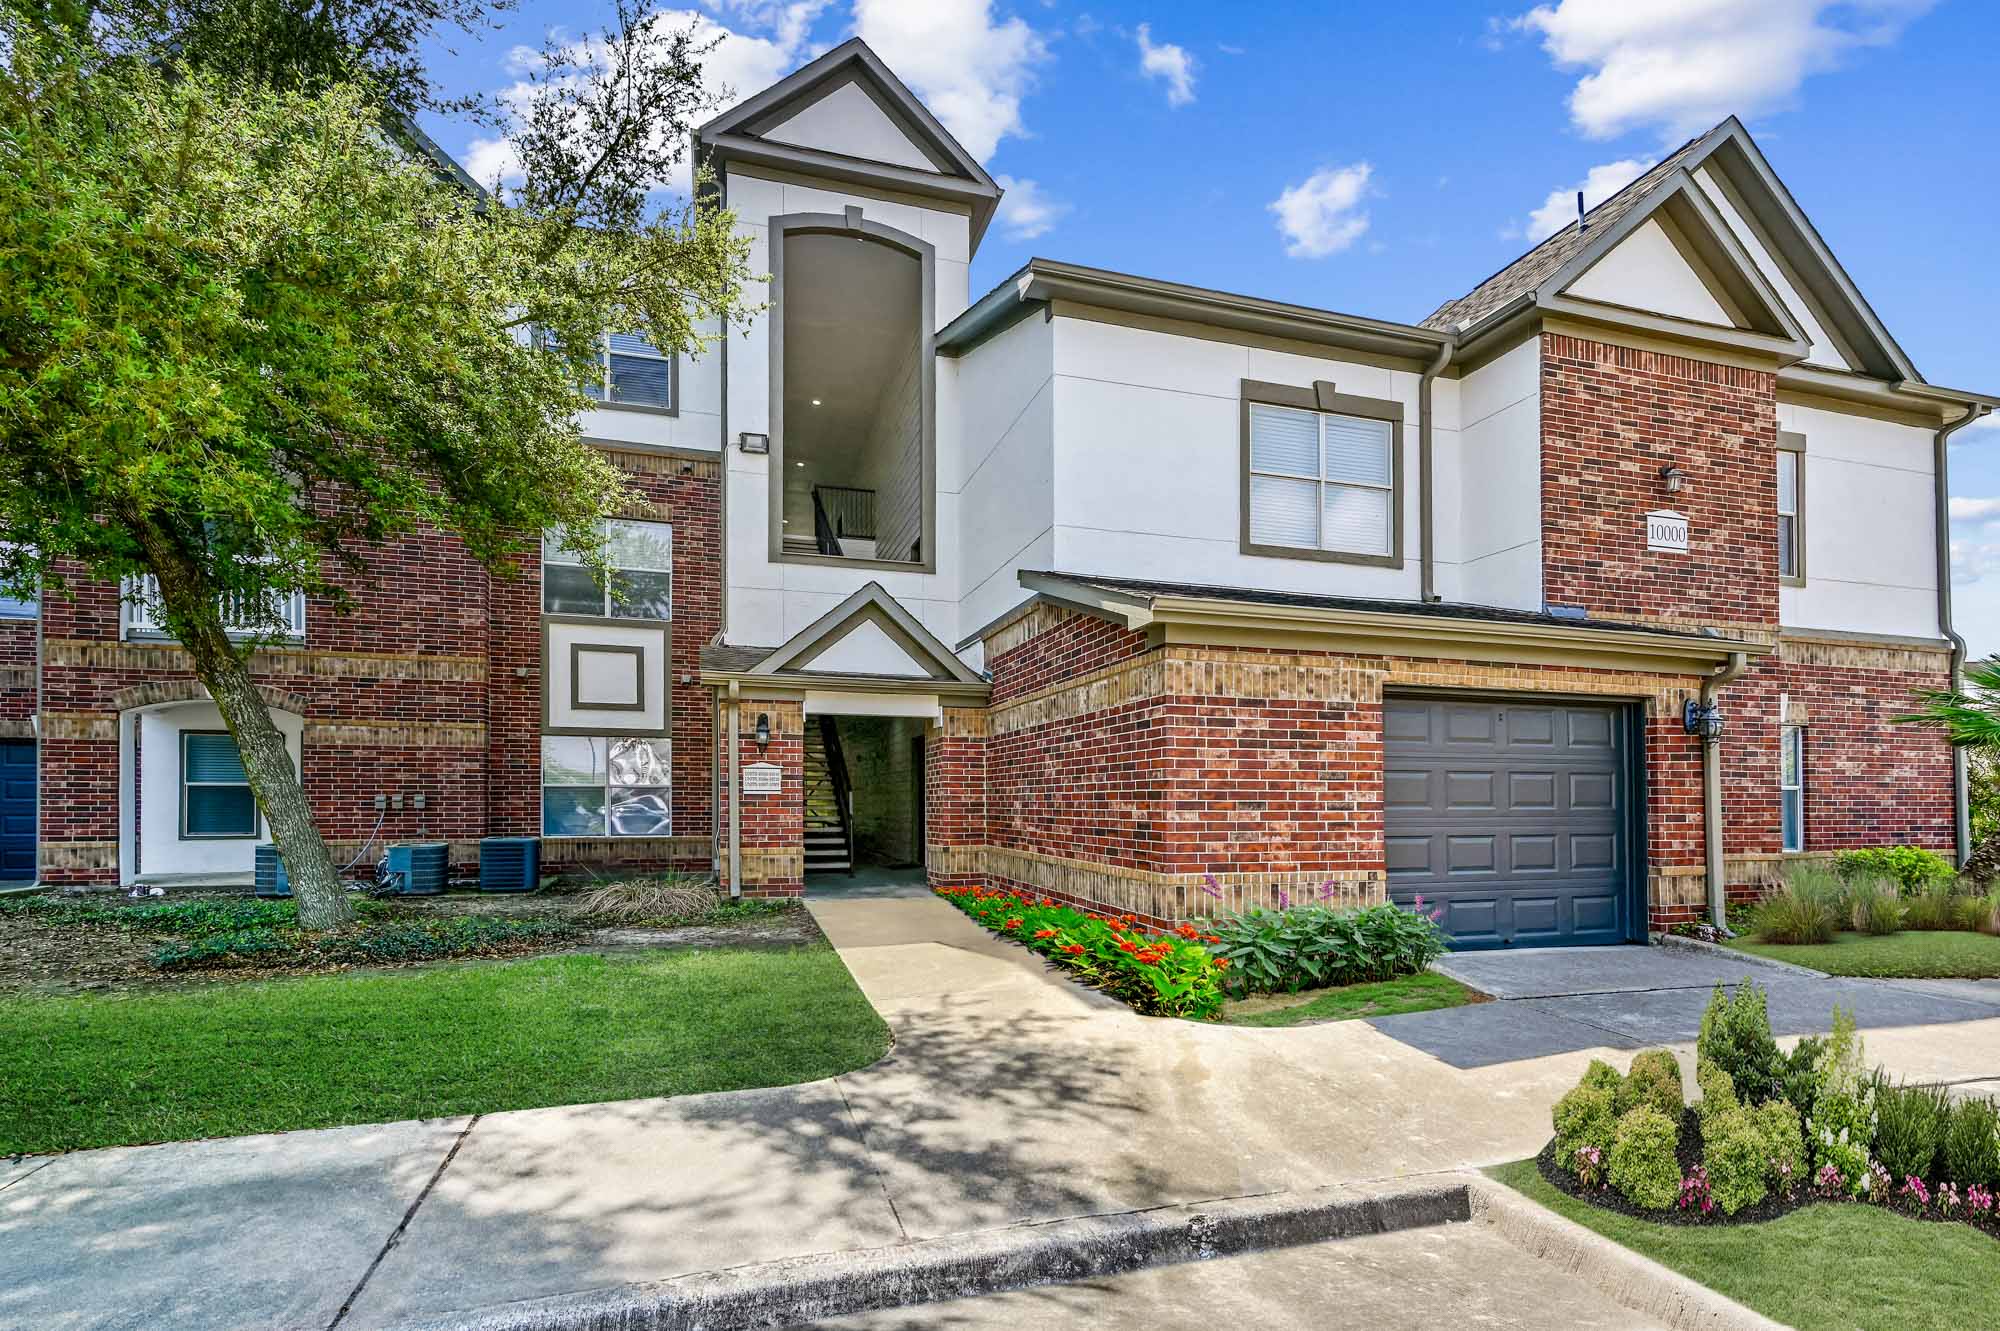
x: 192, y: 612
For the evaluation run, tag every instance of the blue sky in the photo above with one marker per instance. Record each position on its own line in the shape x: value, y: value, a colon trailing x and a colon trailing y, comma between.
x: 1379, y: 159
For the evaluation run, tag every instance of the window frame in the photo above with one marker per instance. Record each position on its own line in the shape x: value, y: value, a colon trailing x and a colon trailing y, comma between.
x: 1323, y: 399
x: 1794, y: 443
x: 256, y: 831
x: 605, y: 787
x: 607, y: 611
x: 602, y: 399
x: 1792, y: 744
x: 850, y: 222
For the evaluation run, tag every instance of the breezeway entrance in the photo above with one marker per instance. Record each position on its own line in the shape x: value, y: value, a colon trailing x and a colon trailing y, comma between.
x: 1516, y: 815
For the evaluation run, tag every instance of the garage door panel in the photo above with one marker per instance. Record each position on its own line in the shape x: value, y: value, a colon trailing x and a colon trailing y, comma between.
x: 1511, y: 817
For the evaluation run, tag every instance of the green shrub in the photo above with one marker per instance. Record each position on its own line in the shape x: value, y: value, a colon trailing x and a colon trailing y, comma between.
x: 1655, y: 1079
x: 1784, y: 1144
x: 1910, y: 1124
x: 1805, y: 908
x: 1736, y: 1037
x: 1732, y: 1150
x: 1643, y: 1165
x: 1873, y: 906
x: 1718, y: 1092
x: 1312, y: 945
x: 197, y: 916
x: 1909, y: 867
x: 1932, y: 906
x: 1800, y: 1078
x: 1971, y: 913
x: 1972, y: 1144
x: 1584, y: 1117
x: 1841, y: 1127
x: 369, y: 944
x: 1603, y: 1076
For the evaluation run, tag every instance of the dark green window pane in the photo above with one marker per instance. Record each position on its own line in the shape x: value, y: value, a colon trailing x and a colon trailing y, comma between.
x: 221, y: 811
x: 572, y: 811
x: 211, y: 758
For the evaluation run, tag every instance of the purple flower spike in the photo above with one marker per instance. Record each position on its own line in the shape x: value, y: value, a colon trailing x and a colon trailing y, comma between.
x: 1326, y: 890
x: 1284, y: 899
x: 1210, y: 886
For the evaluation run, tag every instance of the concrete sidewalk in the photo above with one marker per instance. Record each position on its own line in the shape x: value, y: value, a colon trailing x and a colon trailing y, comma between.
x: 1011, y: 1096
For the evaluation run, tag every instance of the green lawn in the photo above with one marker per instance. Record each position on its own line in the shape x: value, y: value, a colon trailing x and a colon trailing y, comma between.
x: 1825, y: 1268
x: 226, y: 1059
x: 1913, y: 954
x: 1408, y: 993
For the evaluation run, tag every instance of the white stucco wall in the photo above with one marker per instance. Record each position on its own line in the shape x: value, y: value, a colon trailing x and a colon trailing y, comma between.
x: 1148, y: 461
x: 997, y: 447
x: 1823, y: 350
x: 161, y: 850
x: 769, y: 601
x: 1645, y: 271
x: 696, y: 425
x: 1499, y: 482
x: 848, y: 121
x: 1870, y: 520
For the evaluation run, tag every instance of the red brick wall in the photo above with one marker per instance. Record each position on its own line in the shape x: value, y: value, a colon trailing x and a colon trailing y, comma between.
x: 1612, y: 417
x: 955, y: 786
x: 1072, y: 644
x: 773, y: 825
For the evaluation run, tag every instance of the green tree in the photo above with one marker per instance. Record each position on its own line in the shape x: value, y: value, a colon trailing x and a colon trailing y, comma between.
x: 245, y: 338
x: 1970, y: 717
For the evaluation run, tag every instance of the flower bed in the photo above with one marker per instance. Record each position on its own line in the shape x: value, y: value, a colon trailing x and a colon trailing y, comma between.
x: 1164, y: 974
x: 1771, y: 1132
x: 1313, y: 945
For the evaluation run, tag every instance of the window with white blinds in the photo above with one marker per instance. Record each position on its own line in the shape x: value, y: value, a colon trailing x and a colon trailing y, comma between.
x: 1322, y: 481
x: 1791, y: 544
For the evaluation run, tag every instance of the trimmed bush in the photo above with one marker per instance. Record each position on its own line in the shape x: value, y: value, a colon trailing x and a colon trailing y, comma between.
x: 1784, y: 1144
x: 1736, y: 1037
x: 1873, y: 906
x: 1655, y: 1080
x: 1718, y: 1092
x: 1584, y: 1117
x: 1910, y: 1124
x: 1909, y: 867
x: 1972, y: 1144
x: 1733, y: 1152
x: 1643, y: 1163
x: 1603, y: 1076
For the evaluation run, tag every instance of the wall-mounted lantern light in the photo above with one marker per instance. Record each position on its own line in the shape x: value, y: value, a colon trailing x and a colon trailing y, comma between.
x: 1673, y: 477
x: 1705, y: 721
x: 753, y: 443
x: 763, y: 729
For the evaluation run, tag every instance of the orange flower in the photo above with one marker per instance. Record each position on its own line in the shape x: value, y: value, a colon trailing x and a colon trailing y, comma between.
x: 1014, y: 923
x: 1210, y: 938
x: 1074, y: 949
x: 1222, y: 963
x: 1045, y: 933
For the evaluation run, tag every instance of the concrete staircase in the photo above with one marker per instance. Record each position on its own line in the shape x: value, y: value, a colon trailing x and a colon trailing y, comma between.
x: 829, y: 843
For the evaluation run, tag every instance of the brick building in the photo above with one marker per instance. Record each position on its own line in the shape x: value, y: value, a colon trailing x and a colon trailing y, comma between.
x: 1129, y: 592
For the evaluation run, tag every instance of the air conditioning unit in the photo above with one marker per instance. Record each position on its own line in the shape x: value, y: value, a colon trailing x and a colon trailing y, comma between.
x: 271, y: 880
x: 510, y: 864
x: 419, y: 868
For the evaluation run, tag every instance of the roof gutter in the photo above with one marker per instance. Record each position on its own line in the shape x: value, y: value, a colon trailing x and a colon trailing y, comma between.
x: 1426, y: 472
x: 1941, y: 442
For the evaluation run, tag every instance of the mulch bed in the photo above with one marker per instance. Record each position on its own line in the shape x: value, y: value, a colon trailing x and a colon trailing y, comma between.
x: 1689, y: 1155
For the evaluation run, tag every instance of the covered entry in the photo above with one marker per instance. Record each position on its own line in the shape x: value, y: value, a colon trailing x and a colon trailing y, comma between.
x: 1517, y: 816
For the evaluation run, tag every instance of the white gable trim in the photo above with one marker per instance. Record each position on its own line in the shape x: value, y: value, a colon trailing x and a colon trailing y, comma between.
x: 1647, y: 271
x: 848, y: 121
x: 872, y: 604
x: 865, y: 648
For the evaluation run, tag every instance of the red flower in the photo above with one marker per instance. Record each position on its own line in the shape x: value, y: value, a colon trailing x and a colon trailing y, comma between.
x: 1222, y: 963
x: 1210, y: 938
x: 1074, y: 949
x: 1014, y: 923
x: 1045, y: 933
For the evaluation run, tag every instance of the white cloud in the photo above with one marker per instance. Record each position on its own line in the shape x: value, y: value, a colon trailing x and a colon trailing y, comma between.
x: 1322, y: 214
x: 1026, y: 212
x: 742, y: 64
x: 1679, y: 66
x: 1974, y: 510
x: 1168, y: 62
x: 1558, y: 210
x: 970, y: 71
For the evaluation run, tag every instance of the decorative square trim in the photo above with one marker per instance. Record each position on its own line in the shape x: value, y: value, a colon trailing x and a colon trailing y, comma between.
x: 578, y: 650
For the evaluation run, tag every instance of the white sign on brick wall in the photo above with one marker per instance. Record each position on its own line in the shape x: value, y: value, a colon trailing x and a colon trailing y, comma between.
x: 763, y: 779
x: 1667, y: 530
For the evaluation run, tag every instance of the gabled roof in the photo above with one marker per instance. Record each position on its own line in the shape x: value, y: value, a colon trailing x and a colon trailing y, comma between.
x: 870, y: 613
x: 1757, y: 195
x: 744, y: 133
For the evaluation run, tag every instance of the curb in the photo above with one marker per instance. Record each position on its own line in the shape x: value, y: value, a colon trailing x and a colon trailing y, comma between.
x: 806, y: 1289
x: 1674, y: 942
x: 1623, y: 1276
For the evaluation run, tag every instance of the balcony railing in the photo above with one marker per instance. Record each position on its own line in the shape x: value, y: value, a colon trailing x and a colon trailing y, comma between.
x: 283, y: 615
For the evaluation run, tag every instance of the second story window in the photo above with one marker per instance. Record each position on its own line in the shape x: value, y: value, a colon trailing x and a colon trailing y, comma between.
x: 1792, y: 787
x: 1322, y: 475
x: 1791, y: 508
x: 632, y: 372
x: 641, y: 584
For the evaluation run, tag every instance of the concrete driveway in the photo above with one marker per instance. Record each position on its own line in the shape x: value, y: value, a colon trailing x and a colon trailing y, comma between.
x: 1563, y: 999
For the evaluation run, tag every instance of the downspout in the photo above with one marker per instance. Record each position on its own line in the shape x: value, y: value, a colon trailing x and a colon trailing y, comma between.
x: 1425, y: 469
x: 1711, y: 791
x: 735, y: 708
x: 1961, y: 812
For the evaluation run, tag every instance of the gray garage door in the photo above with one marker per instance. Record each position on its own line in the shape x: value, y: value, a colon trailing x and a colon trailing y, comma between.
x: 1512, y: 816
